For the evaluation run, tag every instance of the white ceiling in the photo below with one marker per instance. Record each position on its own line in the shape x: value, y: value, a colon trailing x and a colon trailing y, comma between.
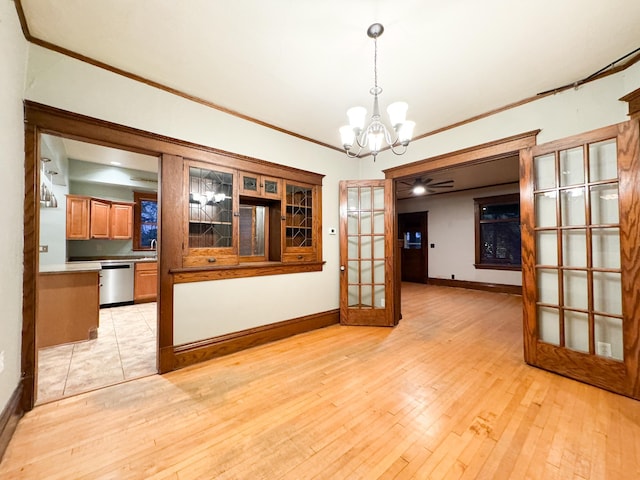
x: 299, y: 65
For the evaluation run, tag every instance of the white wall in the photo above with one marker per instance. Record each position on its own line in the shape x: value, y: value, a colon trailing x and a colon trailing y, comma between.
x: 451, y: 227
x: 13, y: 57
x: 62, y: 82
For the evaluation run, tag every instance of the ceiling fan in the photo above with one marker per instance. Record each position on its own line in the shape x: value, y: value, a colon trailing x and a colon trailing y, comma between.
x: 421, y: 186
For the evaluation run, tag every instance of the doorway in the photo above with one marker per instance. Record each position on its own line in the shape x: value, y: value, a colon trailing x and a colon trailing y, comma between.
x: 413, y: 231
x: 111, y: 342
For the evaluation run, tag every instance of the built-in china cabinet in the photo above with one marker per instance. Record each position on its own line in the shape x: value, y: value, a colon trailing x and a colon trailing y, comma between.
x: 235, y: 217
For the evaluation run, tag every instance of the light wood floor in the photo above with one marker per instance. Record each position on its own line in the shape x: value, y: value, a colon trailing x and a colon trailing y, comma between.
x: 445, y: 395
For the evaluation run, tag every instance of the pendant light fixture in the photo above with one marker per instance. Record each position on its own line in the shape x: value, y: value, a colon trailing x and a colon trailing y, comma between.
x: 356, y: 136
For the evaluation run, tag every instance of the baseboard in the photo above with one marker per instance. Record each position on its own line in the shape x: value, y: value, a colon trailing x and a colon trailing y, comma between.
x: 488, y: 287
x: 9, y: 417
x: 196, y: 352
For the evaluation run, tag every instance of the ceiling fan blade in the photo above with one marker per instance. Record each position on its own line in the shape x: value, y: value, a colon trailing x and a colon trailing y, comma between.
x: 444, y: 182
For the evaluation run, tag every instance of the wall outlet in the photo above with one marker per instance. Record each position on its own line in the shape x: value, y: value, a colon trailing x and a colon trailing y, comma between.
x: 604, y: 349
x: 332, y: 231
x: 1, y: 361
x: 433, y: 245
x: 44, y: 248
x: 453, y: 277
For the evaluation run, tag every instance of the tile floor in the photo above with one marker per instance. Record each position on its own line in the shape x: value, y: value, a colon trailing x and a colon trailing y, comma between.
x: 125, y: 349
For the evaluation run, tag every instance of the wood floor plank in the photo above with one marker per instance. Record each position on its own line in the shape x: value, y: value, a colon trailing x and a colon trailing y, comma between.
x: 444, y: 395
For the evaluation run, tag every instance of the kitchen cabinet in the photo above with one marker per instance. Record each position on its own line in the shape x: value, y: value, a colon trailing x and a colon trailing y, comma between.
x: 99, y: 218
x: 121, y: 217
x: 68, y: 307
x: 145, y: 284
x: 77, y: 217
x: 95, y: 218
x: 255, y: 185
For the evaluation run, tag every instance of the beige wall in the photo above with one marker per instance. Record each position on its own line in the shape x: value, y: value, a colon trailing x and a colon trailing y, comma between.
x: 13, y: 57
x: 203, y: 310
x: 451, y: 227
x: 213, y: 308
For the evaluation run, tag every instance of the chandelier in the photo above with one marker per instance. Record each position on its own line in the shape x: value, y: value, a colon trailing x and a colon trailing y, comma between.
x: 375, y: 133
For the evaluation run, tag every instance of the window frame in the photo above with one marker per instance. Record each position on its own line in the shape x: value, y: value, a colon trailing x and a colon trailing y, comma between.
x: 138, y: 197
x: 479, y: 203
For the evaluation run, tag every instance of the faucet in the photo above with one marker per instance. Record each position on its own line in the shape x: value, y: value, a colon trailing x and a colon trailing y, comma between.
x: 154, y: 244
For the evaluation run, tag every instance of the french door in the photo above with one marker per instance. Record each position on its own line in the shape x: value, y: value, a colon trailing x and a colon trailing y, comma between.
x: 369, y: 290
x: 580, y: 220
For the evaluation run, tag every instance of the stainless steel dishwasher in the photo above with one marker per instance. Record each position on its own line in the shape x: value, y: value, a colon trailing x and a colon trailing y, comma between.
x: 116, y: 283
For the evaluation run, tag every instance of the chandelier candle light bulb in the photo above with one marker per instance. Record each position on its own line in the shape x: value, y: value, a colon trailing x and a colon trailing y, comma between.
x: 376, y: 133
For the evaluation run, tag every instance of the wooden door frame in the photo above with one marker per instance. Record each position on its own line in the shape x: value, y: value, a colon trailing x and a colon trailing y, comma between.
x: 41, y: 119
x: 425, y: 242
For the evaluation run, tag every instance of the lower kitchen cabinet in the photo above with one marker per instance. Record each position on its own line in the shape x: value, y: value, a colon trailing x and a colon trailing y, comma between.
x: 145, y: 284
x: 68, y: 307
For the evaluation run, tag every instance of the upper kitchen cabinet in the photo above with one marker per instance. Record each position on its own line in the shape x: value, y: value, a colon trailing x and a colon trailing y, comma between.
x: 99, y: 218
x: 89, y: 218
x: 121, y: 217
x: 77, y: 217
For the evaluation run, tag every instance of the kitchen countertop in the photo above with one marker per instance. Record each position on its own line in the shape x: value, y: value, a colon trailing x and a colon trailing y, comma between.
x: 113, y: 258
x: 73, y: 267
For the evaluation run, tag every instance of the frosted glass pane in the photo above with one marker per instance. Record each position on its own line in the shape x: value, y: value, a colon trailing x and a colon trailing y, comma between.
x: 548, y: 286
x: 545, y: 171
x: 575, y: 289
x: 547, y: 248
x: 549, y: 325
x: 378, y: 291
x: 352, y: 198
x: 366, y: 296
x: 603, y: 163
x: 604, y: 204
x: 572, y: 206
x: 352, y: 247
x: 365, y: 222
x: 571, y: 167
x: 378, y: 198
x: 607, y: 293
x: 378, y: 271
x: 354, y: 295
x: 605, y: 247
x: 545, y: 204
x: 574, y: 248
x: 609, y: 330
x: 378, y: 222
x: 576, y: 331
x: 353, y: 268
x: 366, y: 275
x: 365, y: 247
x: 378, y: 247
x: 365, y: 198
x: 352, y: 223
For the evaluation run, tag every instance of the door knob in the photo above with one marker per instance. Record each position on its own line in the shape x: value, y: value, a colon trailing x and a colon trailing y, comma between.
x: 342, y: 268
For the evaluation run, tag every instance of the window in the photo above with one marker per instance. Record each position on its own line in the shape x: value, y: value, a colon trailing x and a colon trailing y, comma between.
x: 145, y: 220
x: 497, y: 222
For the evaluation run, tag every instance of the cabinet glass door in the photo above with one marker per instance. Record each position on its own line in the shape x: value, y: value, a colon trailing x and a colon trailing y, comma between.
x: 210, y: 224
